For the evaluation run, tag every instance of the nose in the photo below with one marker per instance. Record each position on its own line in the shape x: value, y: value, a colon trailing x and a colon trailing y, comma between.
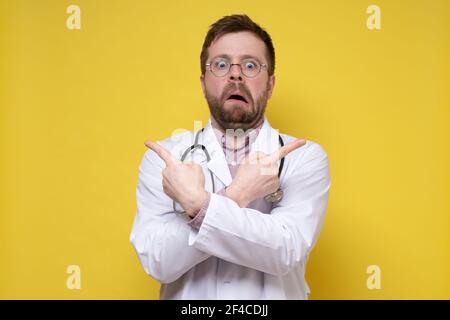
x: 235, y: 74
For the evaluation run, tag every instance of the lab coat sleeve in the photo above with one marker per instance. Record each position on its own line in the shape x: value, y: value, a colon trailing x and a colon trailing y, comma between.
x: 273, y: 243
x: 159, y: 235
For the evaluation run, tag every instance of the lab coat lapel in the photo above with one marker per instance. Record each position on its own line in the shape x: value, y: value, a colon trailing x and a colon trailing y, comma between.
x: 267, y: 139
x: 218, y: 164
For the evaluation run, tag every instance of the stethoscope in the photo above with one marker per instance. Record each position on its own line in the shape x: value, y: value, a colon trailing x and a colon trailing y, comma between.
x: 273, y: 197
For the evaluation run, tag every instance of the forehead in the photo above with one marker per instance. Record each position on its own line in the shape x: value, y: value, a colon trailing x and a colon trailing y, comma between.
x: 238, y: 45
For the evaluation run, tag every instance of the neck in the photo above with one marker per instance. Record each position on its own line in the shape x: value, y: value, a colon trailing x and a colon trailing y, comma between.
x: 235, y: 139
x: 217, y: 126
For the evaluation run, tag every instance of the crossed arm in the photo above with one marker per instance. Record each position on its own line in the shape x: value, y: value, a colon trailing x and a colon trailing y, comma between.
x: 184, y: 182
x: 275, y: 243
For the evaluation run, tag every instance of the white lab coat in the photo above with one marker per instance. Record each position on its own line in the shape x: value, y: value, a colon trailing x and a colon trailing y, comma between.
x: 259, y: 252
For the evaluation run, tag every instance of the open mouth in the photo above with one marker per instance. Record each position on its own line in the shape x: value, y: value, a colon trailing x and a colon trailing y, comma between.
x: 237, y: 97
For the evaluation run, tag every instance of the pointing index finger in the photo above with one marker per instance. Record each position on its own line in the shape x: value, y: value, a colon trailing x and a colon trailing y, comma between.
x: 288, y: 148
x: 161, y: 152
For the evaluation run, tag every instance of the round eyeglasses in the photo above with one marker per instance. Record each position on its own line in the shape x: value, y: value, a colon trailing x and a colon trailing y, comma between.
x: 249, y: 67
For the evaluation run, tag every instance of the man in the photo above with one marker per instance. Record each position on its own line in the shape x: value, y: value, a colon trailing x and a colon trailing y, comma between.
x: 246, y: 233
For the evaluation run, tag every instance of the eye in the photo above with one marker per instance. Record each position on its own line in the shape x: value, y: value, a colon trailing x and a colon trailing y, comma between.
x: 250, y: 65
x: 221, y: 64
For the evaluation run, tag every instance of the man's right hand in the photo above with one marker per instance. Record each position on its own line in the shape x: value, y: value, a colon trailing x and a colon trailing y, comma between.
x: 183, y: 182
x: 257, y: 175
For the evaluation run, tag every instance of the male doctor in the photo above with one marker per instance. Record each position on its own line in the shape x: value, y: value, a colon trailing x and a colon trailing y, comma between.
x: 226, y: 225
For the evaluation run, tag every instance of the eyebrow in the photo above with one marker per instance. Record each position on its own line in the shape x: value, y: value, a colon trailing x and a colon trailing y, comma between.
x: 244, y: 56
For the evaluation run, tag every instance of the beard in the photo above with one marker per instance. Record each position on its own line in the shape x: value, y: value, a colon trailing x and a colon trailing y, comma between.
x: 238, y: 116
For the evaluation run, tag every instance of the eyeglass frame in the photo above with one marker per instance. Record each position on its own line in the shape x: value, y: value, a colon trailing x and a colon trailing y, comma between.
x: 208, y: 65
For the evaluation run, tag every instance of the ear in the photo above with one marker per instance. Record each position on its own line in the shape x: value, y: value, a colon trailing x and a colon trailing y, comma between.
x: 271, y: 85
x: 202, y: 82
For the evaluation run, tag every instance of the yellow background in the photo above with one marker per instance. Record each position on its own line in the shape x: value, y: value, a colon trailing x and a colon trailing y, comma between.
x: 76, y: 106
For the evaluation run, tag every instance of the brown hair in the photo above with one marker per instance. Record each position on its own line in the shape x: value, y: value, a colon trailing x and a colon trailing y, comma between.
x: 237, y: 23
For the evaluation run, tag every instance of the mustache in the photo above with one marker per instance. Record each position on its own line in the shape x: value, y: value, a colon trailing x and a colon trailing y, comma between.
x: 236, y: 86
